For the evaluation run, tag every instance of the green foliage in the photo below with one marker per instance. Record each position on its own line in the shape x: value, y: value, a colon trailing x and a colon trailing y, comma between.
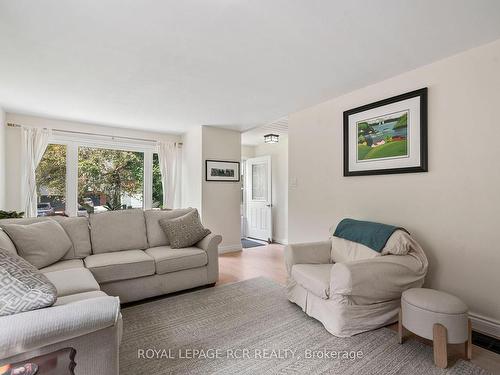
x: 362, y: 151
x: 112, y: 207
x: 11, y: 214
x: 51, y: 172
x: 157, y: 185
x: 402, y: 121
x: 396, y: 148
x: 364, y: 128
x: 110, y: 172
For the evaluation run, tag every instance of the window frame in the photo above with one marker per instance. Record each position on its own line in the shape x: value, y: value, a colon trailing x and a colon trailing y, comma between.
x: 73, y: 141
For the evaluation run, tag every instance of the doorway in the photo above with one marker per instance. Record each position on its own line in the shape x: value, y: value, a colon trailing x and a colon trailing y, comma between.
x: 264, y: 188
x: 258, y: 190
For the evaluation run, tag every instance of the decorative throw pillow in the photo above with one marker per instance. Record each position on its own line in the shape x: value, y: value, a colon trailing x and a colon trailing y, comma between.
x: 22, y: 286
x: 184, y: 231
x: 41, y: 244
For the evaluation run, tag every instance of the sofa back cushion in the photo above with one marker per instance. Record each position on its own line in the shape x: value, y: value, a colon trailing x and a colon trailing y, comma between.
x: 118, y: 230
x: 6, y: 243
x: 22, y: 286
x: 347, y: 251
x: 41, y: 243
x: 156, y: 235
x: 77, y: 229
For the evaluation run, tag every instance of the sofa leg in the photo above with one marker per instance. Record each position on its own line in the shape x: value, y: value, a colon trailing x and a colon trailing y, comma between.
x: 211, y: 285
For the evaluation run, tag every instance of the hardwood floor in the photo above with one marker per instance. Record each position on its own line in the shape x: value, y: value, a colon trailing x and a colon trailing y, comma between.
x: 264, y: 261
x: 268, y: 261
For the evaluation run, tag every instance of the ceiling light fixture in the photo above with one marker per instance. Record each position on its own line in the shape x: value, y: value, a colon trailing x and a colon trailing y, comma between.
x: 271, y: 138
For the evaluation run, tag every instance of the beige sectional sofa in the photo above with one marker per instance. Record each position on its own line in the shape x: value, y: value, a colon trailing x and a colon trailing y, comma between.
x: 121, y: 254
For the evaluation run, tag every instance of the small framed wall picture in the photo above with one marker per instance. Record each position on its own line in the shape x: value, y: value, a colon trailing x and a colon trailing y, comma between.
x: 388, y: 136
x: 221, y: 170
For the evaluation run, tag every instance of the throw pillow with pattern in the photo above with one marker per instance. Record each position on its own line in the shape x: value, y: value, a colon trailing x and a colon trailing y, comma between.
x: 184, y: 231
x: 22, y: 286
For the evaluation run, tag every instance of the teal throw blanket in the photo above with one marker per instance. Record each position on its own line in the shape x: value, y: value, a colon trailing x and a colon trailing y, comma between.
x: 373, y: 235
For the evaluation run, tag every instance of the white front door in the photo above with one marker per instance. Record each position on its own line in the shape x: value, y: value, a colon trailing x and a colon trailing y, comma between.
x: 258, y: 191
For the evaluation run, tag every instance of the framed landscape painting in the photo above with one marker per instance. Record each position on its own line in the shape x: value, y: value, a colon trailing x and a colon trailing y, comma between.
x: 388, y: 136
x: 219, y: 170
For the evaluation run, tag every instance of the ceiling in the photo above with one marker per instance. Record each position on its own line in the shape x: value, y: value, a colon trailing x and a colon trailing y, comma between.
x: 170, y: 65
x: 255, y: 136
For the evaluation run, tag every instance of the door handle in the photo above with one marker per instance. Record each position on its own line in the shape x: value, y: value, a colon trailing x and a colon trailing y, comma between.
x: 269, y: 205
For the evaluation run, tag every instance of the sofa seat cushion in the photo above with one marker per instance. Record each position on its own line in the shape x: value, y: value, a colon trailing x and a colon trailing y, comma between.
x: 122, y: 265
x: 72, y: 281
x: 63, y: 265
x: 171, y: 260
x: 313, y: 277
x: 79, y: 297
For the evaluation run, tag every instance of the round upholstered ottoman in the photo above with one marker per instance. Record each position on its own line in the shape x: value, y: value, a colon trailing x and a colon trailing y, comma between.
x: 437, y: 316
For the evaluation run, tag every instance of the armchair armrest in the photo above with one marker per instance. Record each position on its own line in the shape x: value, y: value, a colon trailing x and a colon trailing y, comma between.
x: 377, y: 279
x: 309, y: 252
x: 210, y: 244
x: 30, y: 330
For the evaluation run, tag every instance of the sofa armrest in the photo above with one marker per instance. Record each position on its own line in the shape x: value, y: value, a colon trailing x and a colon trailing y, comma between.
x: 31, y: 330
x: 377, y: 279
x: 210, y: 244
x: 309, y: 252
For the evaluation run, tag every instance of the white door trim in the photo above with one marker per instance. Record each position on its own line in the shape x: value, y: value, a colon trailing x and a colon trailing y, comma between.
x: 268, y: 232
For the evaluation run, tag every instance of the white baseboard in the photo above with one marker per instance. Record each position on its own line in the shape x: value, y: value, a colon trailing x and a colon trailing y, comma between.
x: 230, y: 248
x: 281, y: 241
x: 488, y: 326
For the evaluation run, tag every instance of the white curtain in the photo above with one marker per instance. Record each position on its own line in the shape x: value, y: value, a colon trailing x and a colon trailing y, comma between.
x: 34, y: 143
x: 169, y: 159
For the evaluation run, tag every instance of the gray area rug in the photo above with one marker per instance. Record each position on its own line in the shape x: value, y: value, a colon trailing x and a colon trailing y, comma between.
x: 251, y: 328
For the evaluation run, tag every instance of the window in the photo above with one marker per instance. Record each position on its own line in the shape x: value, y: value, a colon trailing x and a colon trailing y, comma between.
x: 259, y: 183
x: 110, y: 179
x: 90, y: 173
x: 51, y: 181
x: 157, y: 184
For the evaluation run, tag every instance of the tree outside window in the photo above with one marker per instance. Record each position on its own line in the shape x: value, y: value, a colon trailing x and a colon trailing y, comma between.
x: 107, y: 180
x: 51, y: 181
x: 110, y: 179
x: 157, y: 185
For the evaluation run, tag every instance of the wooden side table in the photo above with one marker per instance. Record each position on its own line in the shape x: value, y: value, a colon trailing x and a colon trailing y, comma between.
x: 60, y: 362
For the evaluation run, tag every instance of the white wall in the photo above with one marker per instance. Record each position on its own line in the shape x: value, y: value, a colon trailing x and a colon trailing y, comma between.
x: 3, y: 155
x: 279, y: 161
x: 452, y: 210
x: 221, y: 200
x: 192, y: 169
x: 247, y: 152
x: 13, y: 146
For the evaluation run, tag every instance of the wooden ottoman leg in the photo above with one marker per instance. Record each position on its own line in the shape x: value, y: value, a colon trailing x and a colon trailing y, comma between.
x: 440, y: 341
x: 468, y: 344
x: 400, y: 326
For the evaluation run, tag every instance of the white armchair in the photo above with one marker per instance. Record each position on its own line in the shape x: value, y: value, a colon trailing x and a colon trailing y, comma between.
x: 355, y: 295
